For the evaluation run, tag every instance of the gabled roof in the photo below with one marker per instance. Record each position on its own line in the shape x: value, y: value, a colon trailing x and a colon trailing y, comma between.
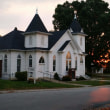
x: 64, y: 45
x: 36, y: 25
x: 13, y: 40
x: 75, y: 26
x: 55, y: 37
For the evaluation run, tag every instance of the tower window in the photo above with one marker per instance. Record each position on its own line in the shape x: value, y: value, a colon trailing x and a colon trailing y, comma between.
x: 18, y: 63
x: 81, y: 59
x: 30, y: 40
x: 41, y: 60
x: 81, y: 41
x: 30, y: 61
x: 5, y: 63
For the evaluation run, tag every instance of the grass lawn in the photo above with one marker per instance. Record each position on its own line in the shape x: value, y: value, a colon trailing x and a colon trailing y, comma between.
x: 20, y: 85
x: 92, y: 82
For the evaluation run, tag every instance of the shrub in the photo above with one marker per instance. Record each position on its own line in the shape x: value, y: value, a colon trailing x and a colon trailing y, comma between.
x: 56, y: 76
x: 66, y: 78
x: 21, y: 76
x: 30, y: 80
x: 80, y: 78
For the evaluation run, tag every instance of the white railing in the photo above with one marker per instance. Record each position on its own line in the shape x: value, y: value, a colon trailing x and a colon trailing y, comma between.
x: 47, y: 74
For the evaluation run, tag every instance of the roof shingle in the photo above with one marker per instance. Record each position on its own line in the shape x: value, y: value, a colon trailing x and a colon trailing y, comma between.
x: 36, y: 25
x: 13, y: 40
x: 75, y: 26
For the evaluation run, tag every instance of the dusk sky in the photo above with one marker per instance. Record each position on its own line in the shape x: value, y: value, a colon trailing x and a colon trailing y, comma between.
x: 19, y: 13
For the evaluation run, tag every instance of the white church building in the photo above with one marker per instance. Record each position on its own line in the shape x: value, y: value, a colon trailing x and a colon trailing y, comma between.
x: 40, y: 52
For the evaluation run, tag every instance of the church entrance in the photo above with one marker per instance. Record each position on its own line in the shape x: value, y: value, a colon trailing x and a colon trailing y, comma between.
x: 0, y: 68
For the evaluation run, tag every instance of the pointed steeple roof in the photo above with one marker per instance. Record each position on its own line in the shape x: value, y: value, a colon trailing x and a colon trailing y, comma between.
x: 36, y: 25
x: 75, y: 26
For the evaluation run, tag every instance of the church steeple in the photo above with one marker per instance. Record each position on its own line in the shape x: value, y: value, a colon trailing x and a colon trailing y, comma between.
x: 75, y: 26
x: 36, y: 24
x: 36, y: 11
x: 75, y: 14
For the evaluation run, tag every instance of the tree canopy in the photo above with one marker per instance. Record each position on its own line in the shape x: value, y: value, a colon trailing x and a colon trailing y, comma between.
x: 94, y: 17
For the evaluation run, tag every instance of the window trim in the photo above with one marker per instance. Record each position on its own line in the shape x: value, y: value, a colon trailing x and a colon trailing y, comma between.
x: 30, y: 40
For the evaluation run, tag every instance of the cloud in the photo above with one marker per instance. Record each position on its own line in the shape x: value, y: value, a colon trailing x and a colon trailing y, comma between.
x: 20, y: 13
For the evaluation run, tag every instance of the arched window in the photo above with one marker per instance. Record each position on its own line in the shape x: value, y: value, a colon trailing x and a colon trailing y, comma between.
x: 18, y: 63
x: 68, y: 61
x: 5, y: 63
x: 76, y: 63
x: 54, y: 63
x: 81, y: 59
x: 30, y: 61
x: 41, y: 60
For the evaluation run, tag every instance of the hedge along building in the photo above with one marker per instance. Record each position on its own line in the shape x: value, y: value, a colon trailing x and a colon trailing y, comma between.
x: 38, y: 51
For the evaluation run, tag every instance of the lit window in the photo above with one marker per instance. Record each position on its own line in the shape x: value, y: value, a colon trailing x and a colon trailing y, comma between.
x: 18, y: 63
x: 30, y: 61
x: 41, y: 60
x: 68, y: 61
x: 54, y: 63
x: 5, y: 63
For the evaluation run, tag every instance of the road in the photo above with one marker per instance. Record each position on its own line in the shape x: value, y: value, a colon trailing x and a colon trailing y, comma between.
x: 58, y: 99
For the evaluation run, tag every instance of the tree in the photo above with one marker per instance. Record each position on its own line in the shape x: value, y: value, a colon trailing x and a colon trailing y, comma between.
x: 94, y: 17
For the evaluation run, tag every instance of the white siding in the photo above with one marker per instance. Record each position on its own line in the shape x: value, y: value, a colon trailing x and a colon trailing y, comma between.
x: 38, y: 40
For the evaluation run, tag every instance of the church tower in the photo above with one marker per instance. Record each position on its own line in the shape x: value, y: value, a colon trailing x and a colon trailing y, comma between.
x: 36, y: 35
x: 77, y: 32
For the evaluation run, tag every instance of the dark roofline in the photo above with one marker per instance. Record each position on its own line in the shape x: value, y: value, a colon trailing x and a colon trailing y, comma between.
x: 64, y: 45
x: 55, y: 37
x: 79, y: 33
x: 34, y: 32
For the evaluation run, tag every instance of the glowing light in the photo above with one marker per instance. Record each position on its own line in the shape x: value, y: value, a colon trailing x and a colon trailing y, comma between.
x: 100, y: 95
x: 101, y: 56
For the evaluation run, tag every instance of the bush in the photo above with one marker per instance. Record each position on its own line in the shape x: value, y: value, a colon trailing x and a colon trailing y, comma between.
x: 21, y: 76
x: 80, y: 78
x: 66, y: 78
x: 56, y: 76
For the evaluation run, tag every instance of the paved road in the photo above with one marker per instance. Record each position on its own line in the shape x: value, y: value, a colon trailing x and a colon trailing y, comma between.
x: 59, y: 99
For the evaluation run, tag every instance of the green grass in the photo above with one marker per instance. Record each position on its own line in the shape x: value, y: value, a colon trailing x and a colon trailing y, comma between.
x: 21, y: 85
x: 92, y: 83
